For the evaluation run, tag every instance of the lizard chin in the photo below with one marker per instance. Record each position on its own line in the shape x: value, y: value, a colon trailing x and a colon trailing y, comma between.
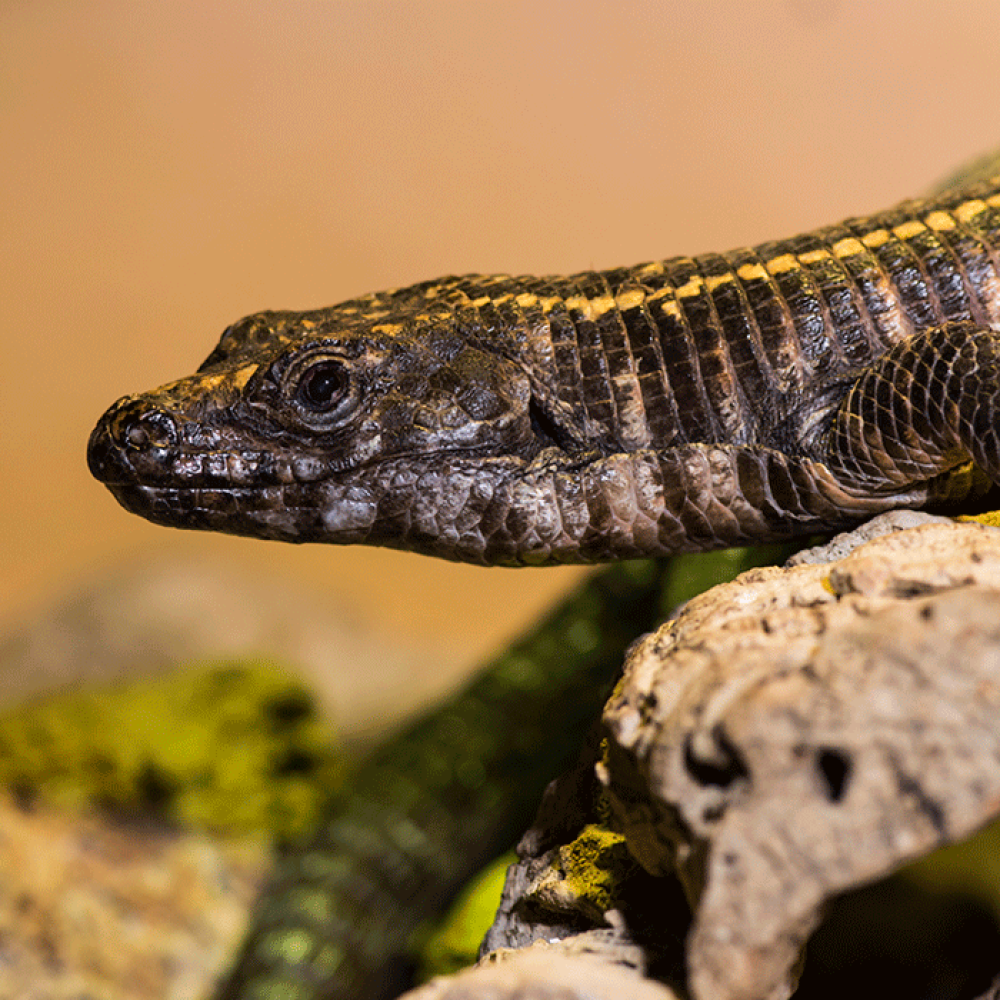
x: 457, y: 506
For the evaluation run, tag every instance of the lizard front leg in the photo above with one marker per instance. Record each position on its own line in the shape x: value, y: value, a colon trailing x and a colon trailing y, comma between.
x: 923, y: 410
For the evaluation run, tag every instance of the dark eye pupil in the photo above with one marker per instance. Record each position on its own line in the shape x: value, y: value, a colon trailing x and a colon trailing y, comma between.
x: 323, y: 386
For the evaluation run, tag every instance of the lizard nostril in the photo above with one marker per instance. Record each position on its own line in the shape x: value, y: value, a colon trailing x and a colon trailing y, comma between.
x: 136, y: 436
x: 130, y: 441
x: 152, y: 430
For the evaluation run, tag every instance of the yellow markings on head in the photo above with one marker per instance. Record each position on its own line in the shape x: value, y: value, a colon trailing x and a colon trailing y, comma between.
x: 994, y: 200
x: 876, y: 238
x: 388, y: 328
x: 631, y: 299
x: 690, y: 288
x: 481, y: 301
x: 782, y: 264
x: 653, y: 267
x: 940, y: 221
x: 907, y: 230
x: 242, y: 375
x: 671, y: 308
x: 752, y: 272
x: 526, y: 300
x: 308, y: 324
x: 848, y: 247
x: 714, y: 281
x: 660, y: 293
x: 501, y: 299
x: 549, y: 303
x: 968, y: 210
x: 432, y: 292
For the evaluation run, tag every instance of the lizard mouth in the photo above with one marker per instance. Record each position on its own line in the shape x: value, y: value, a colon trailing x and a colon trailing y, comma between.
x: 137, y: 454
x: 273, y: 512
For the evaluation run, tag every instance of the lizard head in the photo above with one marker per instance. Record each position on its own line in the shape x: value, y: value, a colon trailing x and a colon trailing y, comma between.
x: 343, y: 425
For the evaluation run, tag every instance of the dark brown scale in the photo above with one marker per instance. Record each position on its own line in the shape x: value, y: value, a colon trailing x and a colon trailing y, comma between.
x: 944, y: 274
x: 819, y: 352
x: 903, y: 268
x: 945, y: 289
x: 658, y: 401
x: 616, y: 347
x: 847, y: 320
x: 976, y: 267
x: 684, y: 346
x: 875, y: 290
x: 714, y: 366
x: 617, y: 278
x: 633, y: 431
x: 566, y: 356
x: 986, y: 225
x: 772, y: 315
x: 740, y: 336
x: 491, y: 321
x: 597, y: 397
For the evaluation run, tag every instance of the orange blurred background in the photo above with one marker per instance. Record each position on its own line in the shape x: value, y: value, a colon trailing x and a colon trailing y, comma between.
x: 167, y: 168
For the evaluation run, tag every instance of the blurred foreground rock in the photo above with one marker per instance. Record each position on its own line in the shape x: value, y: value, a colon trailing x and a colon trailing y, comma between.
x: 94, y: 910
x: 788, y: 738
x: 543, y: 972
x: 148, y: 617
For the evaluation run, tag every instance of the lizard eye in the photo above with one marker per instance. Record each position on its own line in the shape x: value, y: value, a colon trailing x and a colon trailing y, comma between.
x: 322, y: 389
x: 322, y: 386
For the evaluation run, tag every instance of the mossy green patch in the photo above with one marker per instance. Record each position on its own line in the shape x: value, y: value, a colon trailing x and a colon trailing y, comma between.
x: 990, y: 518
x: 454, y: 944
x: 236, y: 747
x: 594, y: 865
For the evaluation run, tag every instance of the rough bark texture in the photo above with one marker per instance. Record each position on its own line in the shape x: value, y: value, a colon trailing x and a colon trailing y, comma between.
x: 788, y: 738
x: 800, y: 732
x: 544, y: 972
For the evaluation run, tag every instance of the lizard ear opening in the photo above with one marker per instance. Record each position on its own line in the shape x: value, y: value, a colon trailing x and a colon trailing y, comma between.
x: 548, y: 431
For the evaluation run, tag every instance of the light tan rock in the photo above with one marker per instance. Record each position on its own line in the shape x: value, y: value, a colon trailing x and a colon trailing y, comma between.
x: 94, y: 908
x: 800, y: 732
x: 543, y: 972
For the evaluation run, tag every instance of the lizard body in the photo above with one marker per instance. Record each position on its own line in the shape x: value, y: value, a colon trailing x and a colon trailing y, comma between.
x: 679, y: 405
x: 686, y: 404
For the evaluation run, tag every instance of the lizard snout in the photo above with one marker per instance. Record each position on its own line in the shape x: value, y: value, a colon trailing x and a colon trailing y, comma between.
x: 131, y: 442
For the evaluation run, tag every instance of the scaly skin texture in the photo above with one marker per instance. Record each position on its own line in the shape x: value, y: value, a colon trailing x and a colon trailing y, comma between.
x: 681, y: 405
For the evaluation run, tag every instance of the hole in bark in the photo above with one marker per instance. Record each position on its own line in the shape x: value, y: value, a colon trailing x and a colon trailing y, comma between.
x: 713, y: 813
x: 834, y: 768
x: 719, y: 764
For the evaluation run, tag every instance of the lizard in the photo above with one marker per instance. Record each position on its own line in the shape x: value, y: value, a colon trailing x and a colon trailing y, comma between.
x: 796, y: 387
